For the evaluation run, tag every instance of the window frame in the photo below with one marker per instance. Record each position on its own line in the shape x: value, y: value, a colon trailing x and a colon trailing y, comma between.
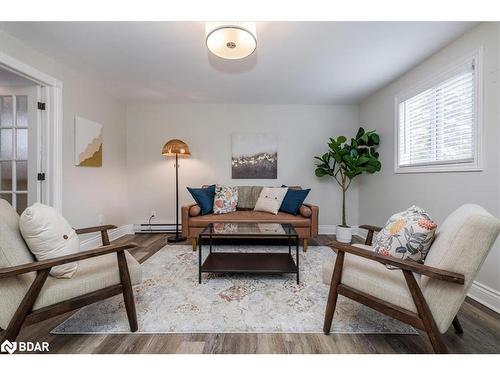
x: 447, y: 166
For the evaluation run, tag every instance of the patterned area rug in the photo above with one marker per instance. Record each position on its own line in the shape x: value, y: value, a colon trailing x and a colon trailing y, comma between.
x: 170, y: 300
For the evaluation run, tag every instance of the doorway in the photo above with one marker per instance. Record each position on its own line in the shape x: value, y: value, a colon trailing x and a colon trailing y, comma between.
x: 21, y: 146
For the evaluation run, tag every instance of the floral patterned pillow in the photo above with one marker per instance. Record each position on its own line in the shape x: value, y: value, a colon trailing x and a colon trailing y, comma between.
x: 407, y: 235
x: 226, y: 199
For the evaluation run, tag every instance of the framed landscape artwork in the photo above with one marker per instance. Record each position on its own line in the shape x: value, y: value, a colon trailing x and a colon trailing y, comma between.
x: 88, y: 143
x: 254, y: 155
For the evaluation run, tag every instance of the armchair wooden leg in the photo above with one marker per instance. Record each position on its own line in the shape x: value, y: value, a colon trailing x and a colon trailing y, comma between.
x: 193, y: 243
x: 425, y: 314
x: 333, y: 294
x: 128, y: 292
x: 304, y: 245
x: 25, y: 306
x: 458, y: 327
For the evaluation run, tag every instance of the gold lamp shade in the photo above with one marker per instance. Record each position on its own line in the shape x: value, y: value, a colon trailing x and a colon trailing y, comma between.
x: 176, y: 147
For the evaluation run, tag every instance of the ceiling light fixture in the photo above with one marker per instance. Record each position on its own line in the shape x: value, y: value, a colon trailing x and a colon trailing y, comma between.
x: 231, y: 40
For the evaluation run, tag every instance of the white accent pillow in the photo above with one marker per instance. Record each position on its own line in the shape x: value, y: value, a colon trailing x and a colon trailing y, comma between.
x: 270, y: 199
x: 48, y: 235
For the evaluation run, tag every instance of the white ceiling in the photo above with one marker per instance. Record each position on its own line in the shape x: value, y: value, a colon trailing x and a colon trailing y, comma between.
x: 295, y: 62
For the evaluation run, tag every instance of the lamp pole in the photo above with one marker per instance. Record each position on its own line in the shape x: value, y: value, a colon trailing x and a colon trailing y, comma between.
x: 176, y: 238
x: 176, y: 147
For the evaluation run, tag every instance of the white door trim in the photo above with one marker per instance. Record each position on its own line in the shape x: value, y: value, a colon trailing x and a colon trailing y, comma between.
x: 51, y: 119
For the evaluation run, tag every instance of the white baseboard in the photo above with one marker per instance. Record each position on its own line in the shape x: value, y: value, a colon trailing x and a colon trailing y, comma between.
x: 95, y: 241
x: 327, y: 229
x: 485, y: 296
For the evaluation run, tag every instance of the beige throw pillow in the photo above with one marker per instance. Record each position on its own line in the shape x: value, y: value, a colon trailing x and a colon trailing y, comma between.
x: 270, y: 199
x: 48, y: 235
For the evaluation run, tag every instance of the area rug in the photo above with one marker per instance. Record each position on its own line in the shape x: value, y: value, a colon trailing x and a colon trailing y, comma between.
x: 170, y: 300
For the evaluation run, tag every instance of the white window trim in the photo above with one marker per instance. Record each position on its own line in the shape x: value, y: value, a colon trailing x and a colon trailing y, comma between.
x: 477, y: 163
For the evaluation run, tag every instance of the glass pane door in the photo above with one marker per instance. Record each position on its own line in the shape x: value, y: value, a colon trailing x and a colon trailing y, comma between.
x: 14, y: 150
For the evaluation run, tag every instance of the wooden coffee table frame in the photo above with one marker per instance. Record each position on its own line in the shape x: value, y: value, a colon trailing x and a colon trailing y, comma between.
x: 264, y: 263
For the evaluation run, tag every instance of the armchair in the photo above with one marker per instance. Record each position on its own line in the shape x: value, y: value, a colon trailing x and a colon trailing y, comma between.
x: 29, y: 294
x: 426, y: 296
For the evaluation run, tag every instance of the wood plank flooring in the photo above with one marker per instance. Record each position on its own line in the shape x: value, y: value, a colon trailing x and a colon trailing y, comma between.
x: 481, y: 326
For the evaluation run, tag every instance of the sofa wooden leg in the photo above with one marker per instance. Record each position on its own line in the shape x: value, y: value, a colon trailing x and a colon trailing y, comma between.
x: 193, y: 243
x: 304, y: 244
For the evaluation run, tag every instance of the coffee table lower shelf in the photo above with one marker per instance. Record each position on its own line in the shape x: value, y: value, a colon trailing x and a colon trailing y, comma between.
x: 249, y: 263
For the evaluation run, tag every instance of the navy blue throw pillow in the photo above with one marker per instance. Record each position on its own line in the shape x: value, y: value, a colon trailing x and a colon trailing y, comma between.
x: 293, y: 200
x: 204, y: 197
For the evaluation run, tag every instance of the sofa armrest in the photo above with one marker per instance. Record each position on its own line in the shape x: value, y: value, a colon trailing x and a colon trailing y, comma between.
x: 314, y: 219
x: 185, y: 218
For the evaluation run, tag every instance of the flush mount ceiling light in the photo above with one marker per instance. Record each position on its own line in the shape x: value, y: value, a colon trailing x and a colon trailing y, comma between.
x: 231, y: 40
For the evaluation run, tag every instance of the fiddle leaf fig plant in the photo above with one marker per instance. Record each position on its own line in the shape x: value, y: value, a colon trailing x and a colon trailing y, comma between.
x: 346, y: 160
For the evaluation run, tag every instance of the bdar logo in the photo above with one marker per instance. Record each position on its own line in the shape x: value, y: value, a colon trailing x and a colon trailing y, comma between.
x: 8, y: 347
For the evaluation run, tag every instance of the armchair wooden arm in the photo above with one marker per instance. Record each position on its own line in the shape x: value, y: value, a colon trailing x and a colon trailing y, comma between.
x: 371, y: 230
x: 422, y: 269
x: 100, y: 228
x: 49, y: 263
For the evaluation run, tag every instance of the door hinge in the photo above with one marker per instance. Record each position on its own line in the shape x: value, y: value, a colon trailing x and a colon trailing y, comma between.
x: 41, y: 106
x: 40, y: 177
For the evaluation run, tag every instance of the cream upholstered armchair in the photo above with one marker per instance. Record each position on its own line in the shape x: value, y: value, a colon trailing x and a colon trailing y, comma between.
x: 427, y: 296
x: 28, y: 294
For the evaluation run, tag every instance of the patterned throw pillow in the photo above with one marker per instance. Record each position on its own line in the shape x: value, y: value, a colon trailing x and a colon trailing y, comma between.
x: 407, y: 235
x: 226, y: 199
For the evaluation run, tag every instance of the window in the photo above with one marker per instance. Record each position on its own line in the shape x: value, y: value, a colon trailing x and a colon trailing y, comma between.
x: 437, y: 123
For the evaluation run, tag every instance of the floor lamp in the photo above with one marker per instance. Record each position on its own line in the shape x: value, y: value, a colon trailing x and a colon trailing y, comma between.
x: 176, y: 148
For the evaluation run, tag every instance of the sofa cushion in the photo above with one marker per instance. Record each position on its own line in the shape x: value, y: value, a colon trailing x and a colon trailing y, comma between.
x: 270, y: 199
x: 48, y: 236
x: 247, y: 196
x: 226, y: 199
x: 92, y: 274
x: 293, y: 200
x: 204, y: 197
x: 250, y: 216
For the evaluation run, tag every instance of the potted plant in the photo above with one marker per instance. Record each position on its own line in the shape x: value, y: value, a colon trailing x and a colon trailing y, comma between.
x: 346, y: 160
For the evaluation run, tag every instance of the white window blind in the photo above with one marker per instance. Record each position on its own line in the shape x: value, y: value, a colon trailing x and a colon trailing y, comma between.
x: 436, y: 125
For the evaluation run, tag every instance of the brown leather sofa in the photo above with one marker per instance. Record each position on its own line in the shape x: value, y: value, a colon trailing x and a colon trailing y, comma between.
x: 305, y: 222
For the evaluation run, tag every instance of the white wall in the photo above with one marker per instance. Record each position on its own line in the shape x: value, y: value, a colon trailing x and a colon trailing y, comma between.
x: 439, y: 193
x: 303, y: 132
x: 87, y: 192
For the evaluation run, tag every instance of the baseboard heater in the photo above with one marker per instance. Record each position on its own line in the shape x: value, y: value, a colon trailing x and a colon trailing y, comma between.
x: 155, y: 228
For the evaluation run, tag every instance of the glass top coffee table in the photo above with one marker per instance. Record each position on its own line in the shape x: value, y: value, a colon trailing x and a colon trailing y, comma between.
x: 251, y: 262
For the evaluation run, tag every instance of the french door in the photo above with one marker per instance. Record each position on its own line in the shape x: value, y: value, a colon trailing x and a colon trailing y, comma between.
x: 20, y: 147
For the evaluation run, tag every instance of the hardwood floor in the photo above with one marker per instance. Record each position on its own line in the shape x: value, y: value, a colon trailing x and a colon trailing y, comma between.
x: 481, y: 326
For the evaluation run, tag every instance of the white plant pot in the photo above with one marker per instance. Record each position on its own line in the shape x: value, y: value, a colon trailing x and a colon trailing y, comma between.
x: 344, y: 234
